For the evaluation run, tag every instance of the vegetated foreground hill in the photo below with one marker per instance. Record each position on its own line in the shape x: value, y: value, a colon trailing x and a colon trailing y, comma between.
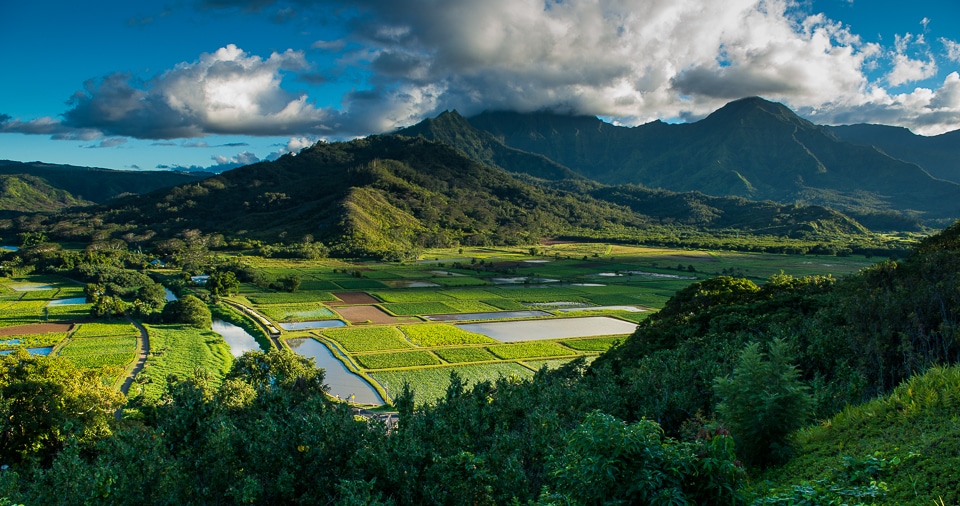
x: 750, y: 148
x: 88, y: 184
x: 385, y: 196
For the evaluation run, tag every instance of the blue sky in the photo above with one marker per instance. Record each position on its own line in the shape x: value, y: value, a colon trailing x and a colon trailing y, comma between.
x: 201, y: 83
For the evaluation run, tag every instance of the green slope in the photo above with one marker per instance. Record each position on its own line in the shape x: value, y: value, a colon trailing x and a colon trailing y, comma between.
x: 25, y: 193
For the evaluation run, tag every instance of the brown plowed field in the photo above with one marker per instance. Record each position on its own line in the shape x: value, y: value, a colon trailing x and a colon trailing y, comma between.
x: 354, y: 298
x: 361, y: 314
x: 36, y: 328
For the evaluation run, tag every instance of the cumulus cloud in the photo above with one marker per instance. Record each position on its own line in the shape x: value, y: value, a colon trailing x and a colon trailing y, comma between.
x: 907, y: 69
x: 224, y: 92
x: 952, y: 48
x: 629, y: 60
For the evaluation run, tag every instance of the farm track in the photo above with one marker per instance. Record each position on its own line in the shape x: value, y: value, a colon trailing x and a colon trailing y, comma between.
x: 144, y: 345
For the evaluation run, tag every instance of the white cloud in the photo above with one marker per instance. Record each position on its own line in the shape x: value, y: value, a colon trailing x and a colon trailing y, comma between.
x: 906, y: 69
x: 224, y: 92
x: 952, y: 48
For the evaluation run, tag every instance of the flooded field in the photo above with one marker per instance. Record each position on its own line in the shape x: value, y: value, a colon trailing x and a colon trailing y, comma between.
x: 240, y: 340
x: 342, y: 382
x: 511, y: 332
x: 313, y: 324
x: 33, y: 351
x: 72, y: 301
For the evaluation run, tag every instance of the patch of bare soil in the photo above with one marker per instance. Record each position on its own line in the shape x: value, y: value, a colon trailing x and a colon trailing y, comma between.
x: 371, y: 314
x: 354, y: 298
x: 35, y: 328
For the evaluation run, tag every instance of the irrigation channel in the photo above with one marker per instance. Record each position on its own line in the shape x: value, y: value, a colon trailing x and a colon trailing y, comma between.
x: 343, y: 383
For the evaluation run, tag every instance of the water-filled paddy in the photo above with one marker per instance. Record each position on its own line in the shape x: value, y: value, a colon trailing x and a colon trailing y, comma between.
x: 313, y: 324
x: 342, y: 382
x: 33, y: 351
x: 533, y: 330
x: 498, y: 315
x: 403, y: 283
x: 240, y: 340
x: 29, y: 287
x: 72, y: 301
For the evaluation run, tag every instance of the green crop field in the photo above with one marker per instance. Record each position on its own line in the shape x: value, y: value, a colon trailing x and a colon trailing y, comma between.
x: 357, y: 339
x: 468, y: 294
x: 411, y: 295
x: 458, y: 281
x: 178, y: 350
x: 100, y: 345
x: 22, y: 312
x: 85, y: 330
x: 297, y: 312
x: 418, y: 308
x: 441, y: 334
x: 428, y: 385
x: 397, y: 359
x: 505, y: 304
x: 359, y: 284
x: 460, y: 355
x: 263, y: 298
x: 32, y: 340
x: 529, y: 349
x: 595, y: 344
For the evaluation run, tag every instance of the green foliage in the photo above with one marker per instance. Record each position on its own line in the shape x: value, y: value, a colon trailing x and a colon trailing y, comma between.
x: 294, y: 313
x: 397, y: 359
x: 762, y: 403
x: 189, y: 310
x: 45, y: 402
x: 607, y: 461
x: 440, y: 334
x: 356, y: 339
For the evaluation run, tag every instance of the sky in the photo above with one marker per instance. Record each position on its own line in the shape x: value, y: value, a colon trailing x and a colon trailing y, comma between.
x: 214, y: 84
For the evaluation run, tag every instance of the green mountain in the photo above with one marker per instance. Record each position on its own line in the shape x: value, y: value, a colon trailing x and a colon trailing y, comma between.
x: 93, y: 184
x: 750, y: 148
x: 453, y: 129
x: 20, y: 192
x: 939, y: 154
x: 385, y: 196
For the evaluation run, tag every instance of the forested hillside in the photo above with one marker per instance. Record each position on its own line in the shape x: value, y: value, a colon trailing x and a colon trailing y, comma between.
x: 391, y: 196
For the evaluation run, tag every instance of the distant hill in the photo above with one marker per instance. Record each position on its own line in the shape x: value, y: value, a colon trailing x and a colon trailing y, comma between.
x: 391, y: 195
x: 88, y: 184
x: 23, y: 192
x: 939, y: 154
x: 751, y: 148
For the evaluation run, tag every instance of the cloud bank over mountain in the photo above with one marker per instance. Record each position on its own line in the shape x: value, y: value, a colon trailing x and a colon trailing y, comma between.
x: 632, y: 61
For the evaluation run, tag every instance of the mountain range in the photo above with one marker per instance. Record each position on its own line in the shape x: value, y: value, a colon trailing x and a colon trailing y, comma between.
x: 503, y: 177
x: 750, y: 148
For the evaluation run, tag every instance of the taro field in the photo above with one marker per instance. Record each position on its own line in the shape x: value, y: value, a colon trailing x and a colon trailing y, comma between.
x: 397, y: 323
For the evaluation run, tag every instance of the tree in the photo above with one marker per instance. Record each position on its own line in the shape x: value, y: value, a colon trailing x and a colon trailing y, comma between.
x: 223, y: 283
x: 46, y: 401
x: 189, y: 310
x: 762, y: 403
